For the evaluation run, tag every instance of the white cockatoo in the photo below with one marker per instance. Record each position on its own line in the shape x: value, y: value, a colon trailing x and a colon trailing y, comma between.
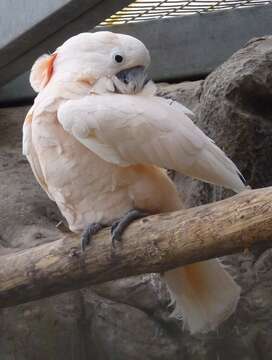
x: 98, y: 140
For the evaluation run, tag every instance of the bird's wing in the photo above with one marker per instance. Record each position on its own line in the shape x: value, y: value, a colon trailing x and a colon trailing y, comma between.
x: 27, y: 133
x: 126, y: 129
x: 30, y: 153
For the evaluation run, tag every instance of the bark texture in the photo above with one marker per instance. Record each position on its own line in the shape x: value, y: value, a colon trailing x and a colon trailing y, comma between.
x: 153, y: 244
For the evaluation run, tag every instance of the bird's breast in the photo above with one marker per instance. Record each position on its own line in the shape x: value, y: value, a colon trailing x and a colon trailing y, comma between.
x: 85, y: 187
x: 88, y: 189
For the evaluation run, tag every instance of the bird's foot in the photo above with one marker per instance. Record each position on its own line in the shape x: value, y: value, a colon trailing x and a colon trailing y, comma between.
x: 119, y: 226
x: 88, y: 233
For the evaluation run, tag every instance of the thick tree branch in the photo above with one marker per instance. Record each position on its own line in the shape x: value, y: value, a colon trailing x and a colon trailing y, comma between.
x: 153, y: 244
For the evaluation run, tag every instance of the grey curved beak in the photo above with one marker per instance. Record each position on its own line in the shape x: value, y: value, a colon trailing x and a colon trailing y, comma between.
x: 131, y: 80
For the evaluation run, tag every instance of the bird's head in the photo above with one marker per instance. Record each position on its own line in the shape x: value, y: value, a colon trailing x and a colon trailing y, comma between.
x: 88, y: 57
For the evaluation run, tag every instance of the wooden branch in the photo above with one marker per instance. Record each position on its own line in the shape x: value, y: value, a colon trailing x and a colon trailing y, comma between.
x: 153, y: 244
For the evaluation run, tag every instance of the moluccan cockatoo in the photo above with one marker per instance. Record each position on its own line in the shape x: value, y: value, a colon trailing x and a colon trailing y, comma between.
x: 98, y: 141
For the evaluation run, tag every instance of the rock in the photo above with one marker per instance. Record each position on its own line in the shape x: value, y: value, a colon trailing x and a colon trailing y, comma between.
x: 233, y: 107
x: 123, y: 332
x: 82, y: 325
x: 145, y: 292
x: 235, y: 110
x: 188, y: 93
x: 52, y: 328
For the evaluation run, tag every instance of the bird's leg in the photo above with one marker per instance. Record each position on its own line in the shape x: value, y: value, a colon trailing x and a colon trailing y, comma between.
x: 87, y: 234
x: 119, y: 226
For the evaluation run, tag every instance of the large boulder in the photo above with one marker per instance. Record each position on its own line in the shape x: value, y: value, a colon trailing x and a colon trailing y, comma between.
x: 128, y: 319
x: 233, y: 106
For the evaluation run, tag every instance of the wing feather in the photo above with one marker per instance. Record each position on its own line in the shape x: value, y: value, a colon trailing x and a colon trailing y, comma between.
x: 126, y: 129
x: 30, y: 153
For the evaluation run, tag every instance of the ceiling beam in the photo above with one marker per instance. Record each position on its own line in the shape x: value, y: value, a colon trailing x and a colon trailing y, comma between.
x: 30, y: 28
x: 187, y: 47
x: 191, y: 46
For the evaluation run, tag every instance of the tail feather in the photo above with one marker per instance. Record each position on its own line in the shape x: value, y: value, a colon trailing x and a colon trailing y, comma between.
x: 204, y: 295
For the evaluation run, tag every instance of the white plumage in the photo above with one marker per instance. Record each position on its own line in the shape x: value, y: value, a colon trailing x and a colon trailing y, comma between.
x: 126, y: 130
x: 98, y: 140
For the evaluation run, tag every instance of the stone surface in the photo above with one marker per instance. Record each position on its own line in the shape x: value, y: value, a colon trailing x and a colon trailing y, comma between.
x: 128, y: 319
x: 233, y: 106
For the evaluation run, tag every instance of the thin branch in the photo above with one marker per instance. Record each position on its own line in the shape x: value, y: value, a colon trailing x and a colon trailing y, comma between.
x: 153, y: 244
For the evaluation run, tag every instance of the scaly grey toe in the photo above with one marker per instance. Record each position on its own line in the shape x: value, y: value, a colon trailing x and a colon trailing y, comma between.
x: 87, y: 234
x: 118, y: 227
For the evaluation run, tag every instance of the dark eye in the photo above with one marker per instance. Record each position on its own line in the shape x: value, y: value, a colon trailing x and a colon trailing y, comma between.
x: 118, y: 58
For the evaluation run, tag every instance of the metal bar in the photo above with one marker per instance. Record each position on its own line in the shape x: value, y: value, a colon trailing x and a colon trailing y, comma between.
x: 186, y: 47
x: 192, y: 46
x: 145, y: 7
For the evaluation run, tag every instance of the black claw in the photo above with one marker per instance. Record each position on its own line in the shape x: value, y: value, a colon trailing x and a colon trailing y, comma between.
x: 113, y: 242
x: 116, y: 236
x: 114, y: 226
x: 119, y: 226
x: 85, y: 239
x: 87, y: 234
